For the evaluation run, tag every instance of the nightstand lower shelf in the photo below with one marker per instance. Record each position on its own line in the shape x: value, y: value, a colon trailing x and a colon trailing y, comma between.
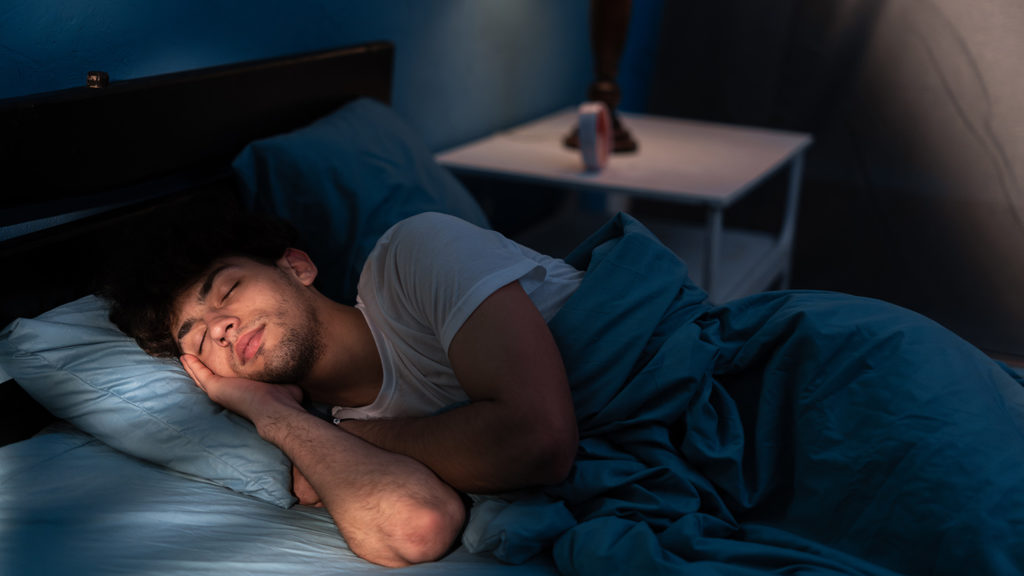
x: 750, y: 261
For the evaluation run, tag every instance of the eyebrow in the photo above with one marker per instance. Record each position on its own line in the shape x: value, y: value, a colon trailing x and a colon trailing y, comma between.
x: 204, y: 291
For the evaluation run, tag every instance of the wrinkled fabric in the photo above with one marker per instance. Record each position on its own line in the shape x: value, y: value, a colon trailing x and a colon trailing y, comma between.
x: 792, y: 431
x: 71, y: 505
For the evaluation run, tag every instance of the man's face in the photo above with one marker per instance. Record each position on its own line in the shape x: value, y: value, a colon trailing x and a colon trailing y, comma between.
x: 247, y: 319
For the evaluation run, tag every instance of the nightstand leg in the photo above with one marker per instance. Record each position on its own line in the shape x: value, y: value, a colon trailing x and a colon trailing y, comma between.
x: 796, y: 172
x: 615, y: 202
x: 713, y: 249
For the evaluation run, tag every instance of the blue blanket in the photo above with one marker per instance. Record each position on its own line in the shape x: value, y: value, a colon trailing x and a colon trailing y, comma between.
x: 787, y: 432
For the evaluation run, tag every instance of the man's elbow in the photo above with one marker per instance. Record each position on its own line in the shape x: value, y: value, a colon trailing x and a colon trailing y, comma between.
x: 420, y: 533
x: 431, y: 532
x: 555, y: 455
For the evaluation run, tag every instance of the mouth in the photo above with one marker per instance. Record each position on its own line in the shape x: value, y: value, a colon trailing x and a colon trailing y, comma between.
x: 248, y: 345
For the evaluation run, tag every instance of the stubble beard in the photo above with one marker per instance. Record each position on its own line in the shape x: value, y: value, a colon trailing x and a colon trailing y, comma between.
x: 296, y: 354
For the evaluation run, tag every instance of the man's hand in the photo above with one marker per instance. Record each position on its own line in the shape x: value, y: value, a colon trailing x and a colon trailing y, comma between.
x: 248, y: 398
x: 303, y: 490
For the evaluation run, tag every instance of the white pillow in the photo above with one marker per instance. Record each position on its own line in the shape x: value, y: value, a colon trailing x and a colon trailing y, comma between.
x: 79, y: 366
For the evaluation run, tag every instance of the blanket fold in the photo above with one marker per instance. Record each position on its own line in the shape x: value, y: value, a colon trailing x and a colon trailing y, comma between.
x: 836, y: 434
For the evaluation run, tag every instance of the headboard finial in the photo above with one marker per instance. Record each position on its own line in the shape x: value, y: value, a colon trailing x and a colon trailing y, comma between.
x: 97, y: 79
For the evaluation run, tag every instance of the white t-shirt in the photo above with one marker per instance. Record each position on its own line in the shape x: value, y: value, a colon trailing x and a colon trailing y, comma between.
x: 422, y: 280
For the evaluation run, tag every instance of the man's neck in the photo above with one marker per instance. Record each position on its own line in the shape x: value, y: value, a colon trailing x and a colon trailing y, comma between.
x: 349, y: 372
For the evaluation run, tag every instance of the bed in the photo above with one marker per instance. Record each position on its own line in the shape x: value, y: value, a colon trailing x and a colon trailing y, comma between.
x: 787, y: 432
x: 84, y: 167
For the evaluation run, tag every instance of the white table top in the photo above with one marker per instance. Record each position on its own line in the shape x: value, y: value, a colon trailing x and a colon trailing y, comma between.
x: 678, y: 160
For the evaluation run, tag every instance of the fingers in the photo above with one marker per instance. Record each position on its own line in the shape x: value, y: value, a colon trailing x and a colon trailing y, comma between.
x: 197, y: 370
x: 303, y: 490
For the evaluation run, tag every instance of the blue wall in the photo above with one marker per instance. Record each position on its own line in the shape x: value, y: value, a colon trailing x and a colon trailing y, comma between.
x: 463, y: 67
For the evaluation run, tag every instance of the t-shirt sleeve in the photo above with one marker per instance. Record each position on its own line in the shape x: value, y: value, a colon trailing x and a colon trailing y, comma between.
x: 435, y: 270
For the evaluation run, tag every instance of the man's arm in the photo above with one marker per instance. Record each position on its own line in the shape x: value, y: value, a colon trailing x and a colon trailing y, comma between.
x: 390, y: 509
x: 520, y: 428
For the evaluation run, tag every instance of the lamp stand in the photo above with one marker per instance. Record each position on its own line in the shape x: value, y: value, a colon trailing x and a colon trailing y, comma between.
x: 609, y: 23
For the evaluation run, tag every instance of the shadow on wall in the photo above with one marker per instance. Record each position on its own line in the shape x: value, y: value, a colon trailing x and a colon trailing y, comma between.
x: 913, y: 190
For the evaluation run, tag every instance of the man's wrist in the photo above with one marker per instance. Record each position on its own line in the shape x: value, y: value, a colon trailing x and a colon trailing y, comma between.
x: 275, y: 424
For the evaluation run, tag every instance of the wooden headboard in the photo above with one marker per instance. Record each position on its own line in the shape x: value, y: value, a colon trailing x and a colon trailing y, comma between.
x: 141, y: 146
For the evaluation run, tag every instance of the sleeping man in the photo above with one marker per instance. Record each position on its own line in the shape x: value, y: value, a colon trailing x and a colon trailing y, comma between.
x: 444, y: 376
x: 642, y: 429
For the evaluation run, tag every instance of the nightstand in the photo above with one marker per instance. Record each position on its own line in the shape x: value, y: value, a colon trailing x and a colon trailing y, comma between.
x: 680, y: 161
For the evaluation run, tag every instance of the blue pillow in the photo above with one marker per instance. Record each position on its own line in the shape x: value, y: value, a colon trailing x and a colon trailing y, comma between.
x: 343, y: 181
x: 79, y: 366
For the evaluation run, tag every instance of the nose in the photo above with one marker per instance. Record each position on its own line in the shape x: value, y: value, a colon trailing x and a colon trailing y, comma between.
x: 221, y: 327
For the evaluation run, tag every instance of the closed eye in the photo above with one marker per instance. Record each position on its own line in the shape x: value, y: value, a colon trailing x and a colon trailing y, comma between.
x: 230, y: 290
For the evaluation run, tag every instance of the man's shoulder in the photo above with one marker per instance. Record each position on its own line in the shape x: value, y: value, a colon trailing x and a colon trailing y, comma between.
x: 429, y: 221
x: 427, y: 227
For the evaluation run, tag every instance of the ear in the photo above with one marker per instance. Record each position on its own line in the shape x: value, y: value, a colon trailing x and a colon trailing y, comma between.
x: 298, y: 264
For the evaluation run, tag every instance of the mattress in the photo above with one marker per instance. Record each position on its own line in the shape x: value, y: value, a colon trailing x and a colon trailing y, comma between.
x: 72, y: 505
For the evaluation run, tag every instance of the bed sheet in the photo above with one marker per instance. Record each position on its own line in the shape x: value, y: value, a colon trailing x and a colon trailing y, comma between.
x: 69, y: 504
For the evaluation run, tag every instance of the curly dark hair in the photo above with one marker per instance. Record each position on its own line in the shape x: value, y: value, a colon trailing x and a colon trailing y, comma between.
x: 169, y: 252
